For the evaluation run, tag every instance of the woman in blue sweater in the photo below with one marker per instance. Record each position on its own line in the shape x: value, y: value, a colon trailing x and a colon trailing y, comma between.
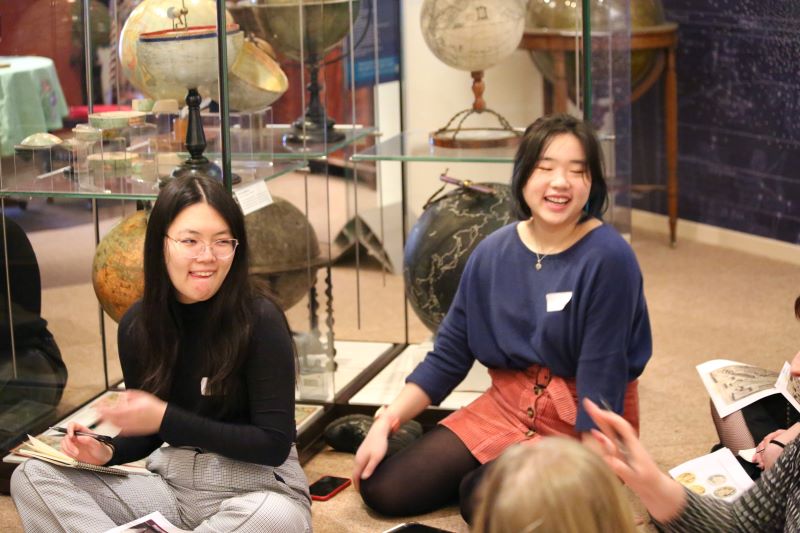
x: 553, y: 305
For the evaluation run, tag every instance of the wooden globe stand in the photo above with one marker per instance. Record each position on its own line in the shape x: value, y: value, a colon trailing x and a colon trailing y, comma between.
x: 448, y: 136
x: 315, y: 126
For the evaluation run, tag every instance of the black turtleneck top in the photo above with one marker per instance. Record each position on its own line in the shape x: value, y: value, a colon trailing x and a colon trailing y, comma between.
x: 260, y: 428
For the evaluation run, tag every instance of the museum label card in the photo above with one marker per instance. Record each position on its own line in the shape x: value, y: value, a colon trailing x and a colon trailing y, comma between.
x: 253, y: 196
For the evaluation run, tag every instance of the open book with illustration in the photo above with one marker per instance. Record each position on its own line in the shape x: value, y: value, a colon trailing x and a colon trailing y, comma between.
x: 34, y: 447
x: 718, y: 475
x: 732, y: 385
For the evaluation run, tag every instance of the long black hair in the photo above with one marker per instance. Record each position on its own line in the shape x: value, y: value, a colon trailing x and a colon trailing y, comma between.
x: 534, y: 142
x: 229, y: 319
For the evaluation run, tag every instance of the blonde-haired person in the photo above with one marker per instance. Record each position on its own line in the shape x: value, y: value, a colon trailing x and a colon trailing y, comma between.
x: 556, y: 486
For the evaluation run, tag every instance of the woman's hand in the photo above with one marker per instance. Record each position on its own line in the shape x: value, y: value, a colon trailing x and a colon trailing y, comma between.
x: 767, y: 452
x: 135, y: 412
x: 85, y: 449
x: 625, y: 455
x: 372, y: 450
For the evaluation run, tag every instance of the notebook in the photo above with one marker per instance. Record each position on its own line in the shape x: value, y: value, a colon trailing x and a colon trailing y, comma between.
x: 37, y: 449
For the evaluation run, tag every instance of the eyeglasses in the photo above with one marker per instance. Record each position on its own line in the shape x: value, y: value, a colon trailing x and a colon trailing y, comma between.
x: 194, y: 248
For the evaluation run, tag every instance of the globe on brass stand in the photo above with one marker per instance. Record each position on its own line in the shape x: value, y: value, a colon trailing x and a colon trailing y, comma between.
x: 303, y: 31
x: 473, y: 35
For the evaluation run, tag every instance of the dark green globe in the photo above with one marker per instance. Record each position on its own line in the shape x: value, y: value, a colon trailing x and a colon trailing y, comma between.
x: 284, y: 251
x: 440, y: 242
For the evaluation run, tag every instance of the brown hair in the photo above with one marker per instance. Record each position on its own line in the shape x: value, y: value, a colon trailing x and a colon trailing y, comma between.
x: 556, y: 485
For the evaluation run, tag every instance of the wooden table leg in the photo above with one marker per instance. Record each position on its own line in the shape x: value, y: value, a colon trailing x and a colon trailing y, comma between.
x: 671, y: 141
x: 560, y: 82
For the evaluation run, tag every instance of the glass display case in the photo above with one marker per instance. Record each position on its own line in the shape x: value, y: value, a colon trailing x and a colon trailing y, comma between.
x: 298, y: 111
x: 277, y: 112
x: 582, y: 64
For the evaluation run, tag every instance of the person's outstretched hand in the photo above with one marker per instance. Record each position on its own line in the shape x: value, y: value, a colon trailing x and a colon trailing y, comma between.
x: 625, y: 455
x: 372, y: 450
x: 135, y: 412
x: 85, y: 449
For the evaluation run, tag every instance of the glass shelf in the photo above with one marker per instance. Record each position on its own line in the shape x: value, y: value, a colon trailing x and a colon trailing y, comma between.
x: 58, y: 184
x: 414, y: 146
x: 270, y: 142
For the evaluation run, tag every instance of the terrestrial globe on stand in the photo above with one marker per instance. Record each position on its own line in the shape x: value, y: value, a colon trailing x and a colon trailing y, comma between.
x: 441, y: 241
x: 284, y: 251
x: 303, y: 30
x: 473, y: 35
x: 607, y: 15
x: 179, y: 56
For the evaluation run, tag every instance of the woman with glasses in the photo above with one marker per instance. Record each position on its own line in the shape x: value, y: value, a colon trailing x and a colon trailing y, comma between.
x: 209, y: 368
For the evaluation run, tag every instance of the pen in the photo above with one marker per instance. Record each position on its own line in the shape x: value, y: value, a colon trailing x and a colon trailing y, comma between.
x: 105, y: 439
x: 623, y: 450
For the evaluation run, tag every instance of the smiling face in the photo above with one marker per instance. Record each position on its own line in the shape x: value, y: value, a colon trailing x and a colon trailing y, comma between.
x: 559, y: 186
x: 196, y: 280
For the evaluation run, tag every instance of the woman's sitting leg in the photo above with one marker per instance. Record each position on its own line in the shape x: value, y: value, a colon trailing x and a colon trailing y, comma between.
x: 420, y: 478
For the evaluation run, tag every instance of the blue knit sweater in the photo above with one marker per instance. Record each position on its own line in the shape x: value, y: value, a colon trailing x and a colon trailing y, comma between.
x: 583, y: 315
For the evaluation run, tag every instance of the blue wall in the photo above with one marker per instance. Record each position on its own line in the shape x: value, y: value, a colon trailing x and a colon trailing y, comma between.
x: 739, y: 117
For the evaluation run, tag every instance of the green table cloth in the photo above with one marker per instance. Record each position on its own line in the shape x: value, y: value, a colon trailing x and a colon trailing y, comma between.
x: 31, y: 99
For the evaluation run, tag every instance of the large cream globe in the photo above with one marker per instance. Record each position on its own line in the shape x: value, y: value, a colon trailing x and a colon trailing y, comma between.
x: 158, y: 15
x: 472, y: 35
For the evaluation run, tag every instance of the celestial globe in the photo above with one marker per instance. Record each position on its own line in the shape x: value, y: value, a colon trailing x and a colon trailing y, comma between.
x: 472, y: 35
x: 441, y: 241
x: 606, y: 15
x: 118, y: 266
x: 284, y: 251
x: 160, y: 15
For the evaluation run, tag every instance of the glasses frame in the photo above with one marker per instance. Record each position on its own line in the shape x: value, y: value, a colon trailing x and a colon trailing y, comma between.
x: 206, y: 246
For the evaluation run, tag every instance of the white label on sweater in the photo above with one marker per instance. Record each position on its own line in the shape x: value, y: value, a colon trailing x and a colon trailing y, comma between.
x: 557, y: 301
x: 203, y: 383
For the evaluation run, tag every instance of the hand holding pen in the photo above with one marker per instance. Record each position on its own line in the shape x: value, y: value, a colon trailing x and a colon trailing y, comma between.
x: 615, y: 437
x: 105, y: 439
x: 81, y: 443
x: 625, y: 455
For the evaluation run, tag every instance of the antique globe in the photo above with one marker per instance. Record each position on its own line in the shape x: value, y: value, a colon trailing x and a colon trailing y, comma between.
x: 284, y: 251
x: 161, y: 15
x: 324, y: 24
x: 473, y: 35
x: 302, y: 30
x: 440, y: 243
x: 549, y: 15
x: 117, y: 269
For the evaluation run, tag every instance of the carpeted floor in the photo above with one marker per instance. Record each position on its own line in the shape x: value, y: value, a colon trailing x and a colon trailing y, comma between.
x: 705, y: 302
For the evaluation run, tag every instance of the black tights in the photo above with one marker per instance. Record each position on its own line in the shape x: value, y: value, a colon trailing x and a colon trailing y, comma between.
x: 432, y: 472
